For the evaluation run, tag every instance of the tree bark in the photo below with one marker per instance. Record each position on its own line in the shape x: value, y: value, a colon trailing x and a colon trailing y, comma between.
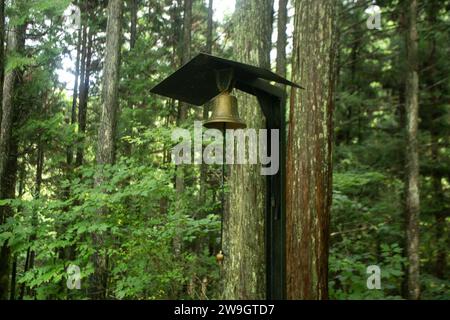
x: 133, y: 26
x: 185, y: 51
x: 185, y: 56
x: 208, y: 49
x: 107, y: 132
x: 22, y: 175
x: 84, y: 95
x: 133, y: 37
x: 309, y: 161
x: 412, y: 155
x: 73, y: 111
x: 37, y: 194
x: 8, y: 192
x: 187, y: 29
x: 12, y: 295
x: 243, y: 234
x: 15, y: 44
x: 209, y: 27
x: 282, y: 38
x: 182, y: 107
x: 435, y: 112
x: 2, y: 50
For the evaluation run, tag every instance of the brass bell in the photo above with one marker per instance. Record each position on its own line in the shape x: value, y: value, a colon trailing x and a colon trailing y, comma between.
x: 225, y: 113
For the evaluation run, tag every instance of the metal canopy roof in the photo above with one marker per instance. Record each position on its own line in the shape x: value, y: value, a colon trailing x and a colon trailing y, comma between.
x: 195, y: 82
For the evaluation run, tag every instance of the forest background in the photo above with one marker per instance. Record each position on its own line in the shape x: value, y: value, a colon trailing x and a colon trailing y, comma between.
x: 86, y: 177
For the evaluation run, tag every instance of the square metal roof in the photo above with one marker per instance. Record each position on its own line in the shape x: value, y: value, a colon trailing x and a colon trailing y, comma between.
x: 195, y: 82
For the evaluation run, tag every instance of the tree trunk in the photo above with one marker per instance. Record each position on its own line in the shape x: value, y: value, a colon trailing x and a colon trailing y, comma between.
x: 133, y: 26
x: 107, y: 132
x: 282, y: 38
x: 73, y: 111
x: 435, y: 112
x: 133, y: 37
x: 209, y: 28
x: 84, y: 92
x: 12, y: 295
x: 22, y: 176
x: 2, y: 50
x: 309, y: 161
x: 182, y: 107
x: 15, y: 44
x: 355, y: 49
x: 186, y: 50
x: 412, y: 155
x: 8, y: 192
x: 208, y: 49
x: 187, y: 29
x: 185, y: 56
x: 37, y: 194
x: 243, y: 238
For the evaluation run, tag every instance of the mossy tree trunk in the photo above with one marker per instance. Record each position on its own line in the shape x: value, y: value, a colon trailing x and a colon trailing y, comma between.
x: 8, y: 145
x: 244, y: 265
x: 107, y: 134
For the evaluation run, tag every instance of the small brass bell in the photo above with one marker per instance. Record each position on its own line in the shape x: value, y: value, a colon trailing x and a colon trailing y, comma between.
x: 219, y: 257
x: 225, y: 113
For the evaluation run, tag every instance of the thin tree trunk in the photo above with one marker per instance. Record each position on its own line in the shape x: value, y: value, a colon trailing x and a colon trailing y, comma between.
x: 2, y: 50
x: 187, y: 29
x: 182, y: 107
x: 440, y: 265
x: 73, y: 112
x: 25, y: 269
x: 354, y: 84
x: 107, y: 133
x: 22, y: 175
x: 282, y: 38
x: 208, y: 49
x: 209, y: 27
x: 37, y: 193
x: 309, y: 162
x: 133, y: 27
x: 244, y: 274
x: 412, y: 155
x: 84, y: 92
x: 186, y: 50
x: 68, y: 253
x: 133, y: 37
x: 186, y: 54
x: 441, y: 232
x: 12, y: 295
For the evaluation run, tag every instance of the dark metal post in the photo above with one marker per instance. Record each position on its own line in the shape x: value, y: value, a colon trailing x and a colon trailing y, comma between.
x: 275, y: 200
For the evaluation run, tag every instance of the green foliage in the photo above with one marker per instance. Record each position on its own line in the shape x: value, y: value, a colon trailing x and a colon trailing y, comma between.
x: 18, y: 62
x: 349, y: 275
x: 138, y: 237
